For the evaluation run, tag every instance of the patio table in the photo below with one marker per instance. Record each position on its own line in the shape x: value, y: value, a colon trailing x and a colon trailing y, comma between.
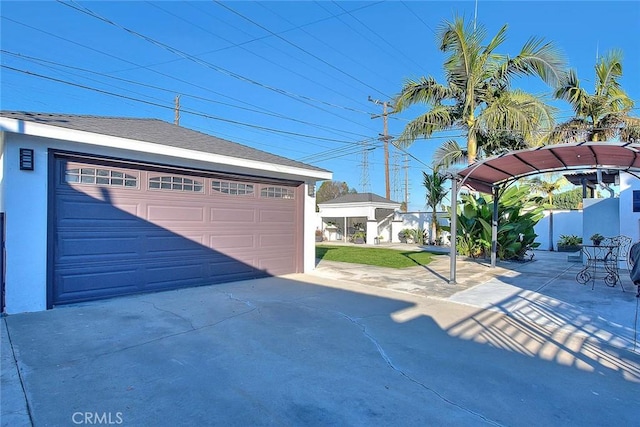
x: 599, y: 255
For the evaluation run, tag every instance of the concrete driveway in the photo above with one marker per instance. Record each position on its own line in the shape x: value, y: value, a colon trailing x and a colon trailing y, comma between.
x: 308, y: 350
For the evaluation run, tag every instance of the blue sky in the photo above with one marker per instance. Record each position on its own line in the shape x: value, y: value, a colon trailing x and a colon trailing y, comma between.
x: 291, y: 78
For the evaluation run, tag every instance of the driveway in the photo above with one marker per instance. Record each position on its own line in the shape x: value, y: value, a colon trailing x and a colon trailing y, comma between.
x: 308, y: 350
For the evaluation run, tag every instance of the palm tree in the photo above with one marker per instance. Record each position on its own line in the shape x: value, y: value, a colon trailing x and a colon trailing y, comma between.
x: 434, y: 184
x: 602, y: 115
x: 548, y: 188
x: 477, y: 96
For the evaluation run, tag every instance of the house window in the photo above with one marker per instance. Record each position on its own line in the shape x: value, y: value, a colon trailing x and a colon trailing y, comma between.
x: 98, y: 176
x: 232, y: 188
x: 277, y: 193
x: 636, y: 200
x: 175, y: 183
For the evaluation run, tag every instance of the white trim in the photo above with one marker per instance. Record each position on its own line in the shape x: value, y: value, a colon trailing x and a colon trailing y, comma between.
x: 90, y: 138
x: 359, y: 205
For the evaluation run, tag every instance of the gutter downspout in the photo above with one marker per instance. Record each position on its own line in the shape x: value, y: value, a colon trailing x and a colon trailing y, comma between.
x: 603, y: 185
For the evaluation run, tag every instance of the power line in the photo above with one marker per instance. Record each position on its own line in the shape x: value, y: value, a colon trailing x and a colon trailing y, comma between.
x: 300, y: 48
x: 170, y: 107
x: 193, y: 96
x: 417, y: 16
x: 178, y: 79
x: 233, y: 45
x: 265, y: 58
x: 394, y: 49
x: 320, y: 40
x: 300, y: 98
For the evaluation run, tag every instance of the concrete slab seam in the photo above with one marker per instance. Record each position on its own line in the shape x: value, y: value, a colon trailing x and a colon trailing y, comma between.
x: 389, y: 362
x: 553, y: 278
x: 15, y: 361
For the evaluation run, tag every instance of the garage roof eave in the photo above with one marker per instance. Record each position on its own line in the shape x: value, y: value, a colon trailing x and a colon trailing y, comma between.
x: 296, y: 170
x: 482, y: 176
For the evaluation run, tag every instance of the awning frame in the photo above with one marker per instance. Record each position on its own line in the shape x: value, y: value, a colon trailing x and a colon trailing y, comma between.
x: 487, y: 176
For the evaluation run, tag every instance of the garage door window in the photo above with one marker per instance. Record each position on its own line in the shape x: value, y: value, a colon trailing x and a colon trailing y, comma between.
x: 277, y: 193
x: 175, y: 183
x: 232, y: 188
x: 99, y: 176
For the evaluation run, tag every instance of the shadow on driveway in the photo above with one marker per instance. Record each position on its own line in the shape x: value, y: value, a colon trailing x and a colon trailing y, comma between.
x: 309, y: 350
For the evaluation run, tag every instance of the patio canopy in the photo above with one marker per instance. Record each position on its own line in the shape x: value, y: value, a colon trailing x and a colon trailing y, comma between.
x: 488, y: 175
x: 497, y: 171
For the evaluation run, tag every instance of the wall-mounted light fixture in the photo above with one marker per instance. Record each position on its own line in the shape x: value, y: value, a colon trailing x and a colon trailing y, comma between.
x: 26, y: 159
x: 312, y: 190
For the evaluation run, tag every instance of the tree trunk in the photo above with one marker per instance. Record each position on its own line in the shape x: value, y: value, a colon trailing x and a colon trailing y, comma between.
x: 433, y: 230
x: 472, y: 148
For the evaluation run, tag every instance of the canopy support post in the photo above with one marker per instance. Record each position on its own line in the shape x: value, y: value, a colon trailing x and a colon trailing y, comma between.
x: 454, y: 230
x: 494, y: 227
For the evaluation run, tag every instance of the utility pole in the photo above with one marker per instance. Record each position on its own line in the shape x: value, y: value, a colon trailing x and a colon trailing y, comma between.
x: 176, y: 119
x: 385, y: 138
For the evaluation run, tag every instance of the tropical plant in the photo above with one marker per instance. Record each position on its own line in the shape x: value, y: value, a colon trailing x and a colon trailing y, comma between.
x: 548, y: 188
x: 477, y: 96
x: 569, y: 240
x: 420, y: 236
x: 518, y: 213
x: 436, y: 192
x: 602, y: 115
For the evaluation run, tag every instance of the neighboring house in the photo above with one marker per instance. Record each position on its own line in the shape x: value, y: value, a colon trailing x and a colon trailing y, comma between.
x: 372, y: 213
x: 95, y: 207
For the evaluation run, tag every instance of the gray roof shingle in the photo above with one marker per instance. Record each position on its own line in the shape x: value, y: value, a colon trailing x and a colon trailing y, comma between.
x: 359, y: 198
x: 155, y: 131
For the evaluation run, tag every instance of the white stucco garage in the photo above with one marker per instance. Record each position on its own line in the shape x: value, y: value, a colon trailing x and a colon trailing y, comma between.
x: 95, y: 207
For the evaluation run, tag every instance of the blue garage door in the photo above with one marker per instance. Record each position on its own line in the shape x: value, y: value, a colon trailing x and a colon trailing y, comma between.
x: 122, y: 230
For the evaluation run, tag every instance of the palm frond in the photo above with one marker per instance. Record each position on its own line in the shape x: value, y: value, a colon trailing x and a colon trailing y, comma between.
x: 608, y: 71
x: 536, y: 58
x: 448, y: 154
x: 574, y: 130
x: 517, y: 112
x: 426, y: 90
x: 438, y: 118
x: 570, y: 90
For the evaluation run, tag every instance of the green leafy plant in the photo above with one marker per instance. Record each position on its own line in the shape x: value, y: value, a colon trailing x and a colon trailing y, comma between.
x: 569, y: 240
x: 596, y: 238
x: 359, y: 237
x: 518, y: 213
x: 420, y: 236
x: 406, y: 234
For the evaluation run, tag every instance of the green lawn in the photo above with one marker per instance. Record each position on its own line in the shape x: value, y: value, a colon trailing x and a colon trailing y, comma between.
x: 374, y: 256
